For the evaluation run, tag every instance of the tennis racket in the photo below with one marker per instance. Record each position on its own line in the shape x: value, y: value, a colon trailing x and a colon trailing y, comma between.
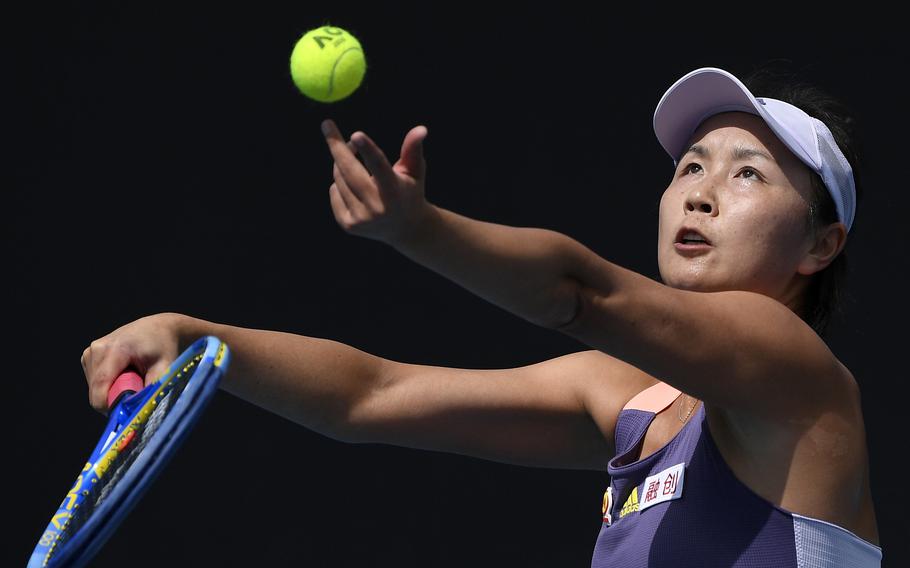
x: 145, y: 428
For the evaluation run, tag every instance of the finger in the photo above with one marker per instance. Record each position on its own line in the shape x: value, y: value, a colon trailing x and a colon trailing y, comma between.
x: 353, y: 150
x: 354, y: 205
x: 412, y: 161
x: 365, y: 200
x: 103, y: 372
x: 89, y: 357
x: 158, y: 369
x: 342, y: 215
x: 353, y: 171
x: 367, y: 194
x: 357, y: 195
x: 85, y: 360
x: 375, y: 160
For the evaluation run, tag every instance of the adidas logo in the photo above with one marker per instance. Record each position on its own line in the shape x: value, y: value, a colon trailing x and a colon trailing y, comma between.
x: 631, y: 504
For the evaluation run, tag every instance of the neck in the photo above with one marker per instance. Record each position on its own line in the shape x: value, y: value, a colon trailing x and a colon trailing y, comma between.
x: 794, y: 295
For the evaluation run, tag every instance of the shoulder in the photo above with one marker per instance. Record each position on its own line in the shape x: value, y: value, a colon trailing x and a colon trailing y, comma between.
x: 812, y: 461
x: 820, y: 426
x: 827, y: 392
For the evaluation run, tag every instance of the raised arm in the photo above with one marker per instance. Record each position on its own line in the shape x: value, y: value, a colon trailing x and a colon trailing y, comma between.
x: 736, y: 350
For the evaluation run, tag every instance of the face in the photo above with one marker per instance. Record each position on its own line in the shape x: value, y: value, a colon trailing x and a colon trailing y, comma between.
x: 747, y: 196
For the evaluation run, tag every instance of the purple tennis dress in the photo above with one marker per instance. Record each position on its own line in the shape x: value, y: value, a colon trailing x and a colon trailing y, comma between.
x: 683, y: 506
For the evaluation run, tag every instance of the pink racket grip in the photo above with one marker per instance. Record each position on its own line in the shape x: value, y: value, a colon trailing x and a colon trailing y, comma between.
x: 127, y: 383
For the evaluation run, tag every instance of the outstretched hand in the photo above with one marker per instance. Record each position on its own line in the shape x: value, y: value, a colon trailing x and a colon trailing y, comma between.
x: 374, y: 198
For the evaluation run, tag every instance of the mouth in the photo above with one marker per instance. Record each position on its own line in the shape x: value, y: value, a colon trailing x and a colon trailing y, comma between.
x: 689, y: 241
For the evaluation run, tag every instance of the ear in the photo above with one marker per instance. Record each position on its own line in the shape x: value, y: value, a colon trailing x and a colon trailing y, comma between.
x: 829, y: 242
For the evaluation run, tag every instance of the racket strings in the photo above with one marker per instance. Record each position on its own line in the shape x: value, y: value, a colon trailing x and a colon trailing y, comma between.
x: 144, y: 430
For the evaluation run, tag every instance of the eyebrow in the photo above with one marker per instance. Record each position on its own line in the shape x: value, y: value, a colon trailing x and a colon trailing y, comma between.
x: 739, y: 152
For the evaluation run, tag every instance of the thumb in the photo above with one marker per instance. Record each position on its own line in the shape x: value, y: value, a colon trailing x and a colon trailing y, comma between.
x: 157, y: 370
x: 412, y: 161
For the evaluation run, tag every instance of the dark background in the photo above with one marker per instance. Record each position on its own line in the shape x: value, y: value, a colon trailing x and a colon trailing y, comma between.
x: 162, y: 160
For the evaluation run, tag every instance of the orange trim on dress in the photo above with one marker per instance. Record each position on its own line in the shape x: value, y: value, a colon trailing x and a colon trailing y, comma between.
x: 654, y: 398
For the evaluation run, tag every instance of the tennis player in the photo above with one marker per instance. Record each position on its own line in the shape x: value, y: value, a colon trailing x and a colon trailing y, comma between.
x: 731, y: 433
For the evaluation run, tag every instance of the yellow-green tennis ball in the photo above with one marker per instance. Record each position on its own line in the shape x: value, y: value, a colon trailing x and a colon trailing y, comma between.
x: 327, y: 64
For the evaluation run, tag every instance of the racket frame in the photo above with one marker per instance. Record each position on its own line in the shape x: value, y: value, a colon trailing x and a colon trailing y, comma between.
x: 125, y: 422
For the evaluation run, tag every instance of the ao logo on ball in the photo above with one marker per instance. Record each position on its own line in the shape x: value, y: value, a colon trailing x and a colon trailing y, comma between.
x: 327, y: 64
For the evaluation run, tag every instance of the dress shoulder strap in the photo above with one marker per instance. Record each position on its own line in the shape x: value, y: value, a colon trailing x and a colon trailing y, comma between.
x: 654, y: 398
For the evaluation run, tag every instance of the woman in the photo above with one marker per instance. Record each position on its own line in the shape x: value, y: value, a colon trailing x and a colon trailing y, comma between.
x: 732, y: 434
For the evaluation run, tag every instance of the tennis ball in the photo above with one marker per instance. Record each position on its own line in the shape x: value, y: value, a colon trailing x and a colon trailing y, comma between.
x: 327, y: 64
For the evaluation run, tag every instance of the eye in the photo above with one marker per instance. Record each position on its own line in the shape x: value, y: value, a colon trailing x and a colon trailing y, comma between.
x: 686, y: 169
x: 755, y: 174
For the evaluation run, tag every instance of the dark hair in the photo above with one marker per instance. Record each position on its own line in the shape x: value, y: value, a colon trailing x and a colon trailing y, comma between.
x: 826, y: 292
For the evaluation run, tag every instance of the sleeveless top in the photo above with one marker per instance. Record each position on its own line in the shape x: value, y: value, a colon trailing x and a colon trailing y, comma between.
x: 683, y: 506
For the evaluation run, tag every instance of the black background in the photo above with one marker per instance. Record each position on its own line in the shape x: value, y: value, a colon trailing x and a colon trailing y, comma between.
x: 162, y: 160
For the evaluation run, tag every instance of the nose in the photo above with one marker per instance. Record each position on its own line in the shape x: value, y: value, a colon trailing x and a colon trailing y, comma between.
x: 700, y: 200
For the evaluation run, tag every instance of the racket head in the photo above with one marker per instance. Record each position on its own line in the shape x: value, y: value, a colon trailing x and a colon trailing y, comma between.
x: 143, y: 432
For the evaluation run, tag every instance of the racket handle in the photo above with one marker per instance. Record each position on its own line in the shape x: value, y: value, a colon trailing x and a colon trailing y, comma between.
x: 127, y: 383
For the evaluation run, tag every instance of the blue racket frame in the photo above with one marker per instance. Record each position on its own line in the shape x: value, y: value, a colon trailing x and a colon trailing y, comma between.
x: 79, y: 549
